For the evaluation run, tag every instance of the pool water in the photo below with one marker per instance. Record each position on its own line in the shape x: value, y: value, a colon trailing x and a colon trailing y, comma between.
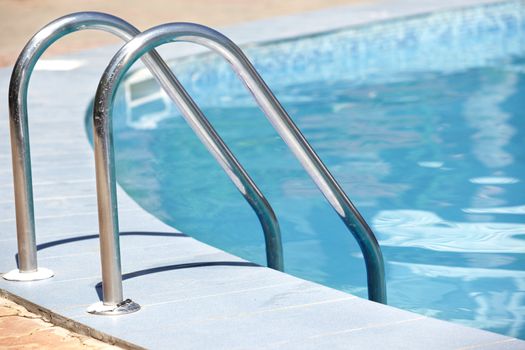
x: 422, y: 121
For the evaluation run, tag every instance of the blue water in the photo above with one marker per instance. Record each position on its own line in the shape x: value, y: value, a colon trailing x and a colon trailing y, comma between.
x: 430, y: 153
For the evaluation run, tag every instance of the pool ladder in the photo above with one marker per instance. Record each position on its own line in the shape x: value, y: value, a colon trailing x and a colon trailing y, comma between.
x: 143, y: 44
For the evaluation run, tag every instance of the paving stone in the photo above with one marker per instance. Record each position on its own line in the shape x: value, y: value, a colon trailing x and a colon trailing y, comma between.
x: 20, y: 329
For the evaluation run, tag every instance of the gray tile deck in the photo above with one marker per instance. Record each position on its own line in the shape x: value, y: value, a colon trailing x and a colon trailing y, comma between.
x: 193, y: 296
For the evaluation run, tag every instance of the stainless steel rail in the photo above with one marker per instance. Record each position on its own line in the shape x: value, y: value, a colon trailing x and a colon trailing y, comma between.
x: 104, y: 153
x: 27, y: 252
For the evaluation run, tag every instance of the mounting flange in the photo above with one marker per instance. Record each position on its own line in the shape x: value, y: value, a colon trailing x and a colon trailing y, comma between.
x: 126, y: 307
x: 40, y: 274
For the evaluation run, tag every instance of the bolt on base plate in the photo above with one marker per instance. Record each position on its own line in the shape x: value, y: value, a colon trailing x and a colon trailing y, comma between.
x: 40, y: 274
x: 126, y: 307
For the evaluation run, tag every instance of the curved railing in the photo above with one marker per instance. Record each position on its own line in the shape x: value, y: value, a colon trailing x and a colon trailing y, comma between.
x: 104, y: 154
x: 25, y: 222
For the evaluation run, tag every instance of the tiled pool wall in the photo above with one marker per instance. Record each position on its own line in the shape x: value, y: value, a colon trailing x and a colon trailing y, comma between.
x: 443, y: 41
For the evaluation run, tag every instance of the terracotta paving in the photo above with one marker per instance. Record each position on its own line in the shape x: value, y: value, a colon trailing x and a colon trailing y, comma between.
x: 21, y: 329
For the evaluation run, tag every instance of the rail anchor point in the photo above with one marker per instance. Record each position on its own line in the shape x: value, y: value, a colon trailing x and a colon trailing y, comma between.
x: 18, y: 276
x: 127, y: 306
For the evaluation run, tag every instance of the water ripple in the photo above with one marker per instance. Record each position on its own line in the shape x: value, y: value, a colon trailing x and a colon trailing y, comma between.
x: 496, y: 180
x: 423, y: 229
x: 519, y: 209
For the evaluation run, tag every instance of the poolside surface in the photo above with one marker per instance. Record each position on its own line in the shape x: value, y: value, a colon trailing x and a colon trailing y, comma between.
x: 193, y: 296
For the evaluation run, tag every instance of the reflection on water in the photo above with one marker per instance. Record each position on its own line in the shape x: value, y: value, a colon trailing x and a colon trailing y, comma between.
x: 433, y: 160
x: 481, y: 304
x: 483, y: 113
x: 519, y: 209
x: 413, y: 228
x: 496, y: 180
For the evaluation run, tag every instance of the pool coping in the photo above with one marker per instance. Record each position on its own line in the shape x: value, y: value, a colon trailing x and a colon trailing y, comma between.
x: 70, y: 188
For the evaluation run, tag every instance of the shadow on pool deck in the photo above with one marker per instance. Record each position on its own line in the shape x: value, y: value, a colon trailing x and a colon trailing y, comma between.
x: 88, y: 237
x: 165, y: 268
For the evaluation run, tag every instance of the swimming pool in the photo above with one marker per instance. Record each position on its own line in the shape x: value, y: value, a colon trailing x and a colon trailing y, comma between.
x: 421, y: 120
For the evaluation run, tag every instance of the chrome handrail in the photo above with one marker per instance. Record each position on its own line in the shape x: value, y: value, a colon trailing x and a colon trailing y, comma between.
x: 25, y: 222
x: 104, y: 152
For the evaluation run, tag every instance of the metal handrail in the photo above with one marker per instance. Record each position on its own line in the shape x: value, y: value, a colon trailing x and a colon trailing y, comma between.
x: 104, y: 153
x: 25, y: 222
